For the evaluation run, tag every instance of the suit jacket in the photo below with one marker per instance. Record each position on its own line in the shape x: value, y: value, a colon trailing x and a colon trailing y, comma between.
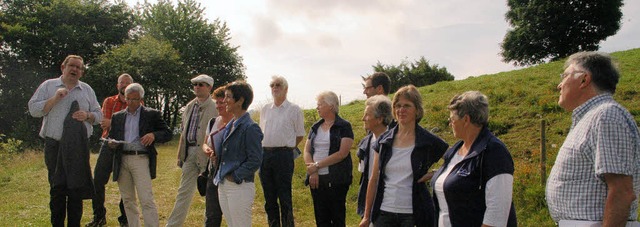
x: 150, y: 122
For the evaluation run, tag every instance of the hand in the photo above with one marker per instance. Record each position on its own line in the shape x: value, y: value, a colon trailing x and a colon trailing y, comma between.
x: 365, y: 222
x: 314, y: 180
x: 214, y: 159
x: 80, y: 115
x: 148, y: 139
x: 311, y: 168
x: 112, y: 145
x: 426, y: 177
x: 61, y: 93
x: 105, y: 124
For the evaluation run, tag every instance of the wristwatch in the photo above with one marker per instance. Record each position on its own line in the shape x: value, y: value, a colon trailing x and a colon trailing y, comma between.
x: 316, y: 165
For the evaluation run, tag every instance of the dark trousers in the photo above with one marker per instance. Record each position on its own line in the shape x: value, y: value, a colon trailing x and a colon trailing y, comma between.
x: 394, y: 219
x: 101, y: 174
x: 213, y: 212
x: 329, y: 204
x: 63, y: 202
x: 275, y: 176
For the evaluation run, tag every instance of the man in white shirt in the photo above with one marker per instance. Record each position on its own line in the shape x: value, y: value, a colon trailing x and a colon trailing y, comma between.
x: 282, y: 123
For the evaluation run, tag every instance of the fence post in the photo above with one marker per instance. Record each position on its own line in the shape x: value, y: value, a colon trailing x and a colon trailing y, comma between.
x: 543, y: 153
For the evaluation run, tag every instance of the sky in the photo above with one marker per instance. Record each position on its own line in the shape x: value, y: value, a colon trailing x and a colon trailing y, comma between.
x: 328, y: 45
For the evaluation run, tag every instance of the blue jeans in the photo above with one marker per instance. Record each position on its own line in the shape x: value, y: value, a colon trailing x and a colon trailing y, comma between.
x: 394, y: 219
x: 276, y: 172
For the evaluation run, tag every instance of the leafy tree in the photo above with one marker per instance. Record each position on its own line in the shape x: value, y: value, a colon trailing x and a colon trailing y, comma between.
x: 152, y: 63
x: 36, y: 35
x: 550, y: 30
x: 204, y: 47
x: 418, y: 73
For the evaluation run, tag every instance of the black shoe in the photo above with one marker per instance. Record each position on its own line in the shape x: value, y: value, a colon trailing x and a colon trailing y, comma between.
x: 97, y: 222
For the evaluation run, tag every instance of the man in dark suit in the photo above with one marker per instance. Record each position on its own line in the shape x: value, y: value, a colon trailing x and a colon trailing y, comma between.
x: 135, y: 130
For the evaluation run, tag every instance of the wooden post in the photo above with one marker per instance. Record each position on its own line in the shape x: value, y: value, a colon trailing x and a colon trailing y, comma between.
x: 543, y: 153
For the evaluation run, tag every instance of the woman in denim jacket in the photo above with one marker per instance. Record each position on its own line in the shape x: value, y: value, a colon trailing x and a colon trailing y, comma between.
x: 328, y: 160
x: 397, y: 194
x: 239, y: 158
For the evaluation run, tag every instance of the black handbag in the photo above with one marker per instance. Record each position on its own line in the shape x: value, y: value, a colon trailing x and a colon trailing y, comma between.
x: 202, y: 181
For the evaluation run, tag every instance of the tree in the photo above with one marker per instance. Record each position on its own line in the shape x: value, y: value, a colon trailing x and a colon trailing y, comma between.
x: 35, y: 36
x: 550, y: 30
x: 204, y: 47
x: 152, y: 63
x: 418, y: 73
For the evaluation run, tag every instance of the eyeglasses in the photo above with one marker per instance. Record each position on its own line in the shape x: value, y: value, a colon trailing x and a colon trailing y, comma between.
x: 367, y: 87
x: 200, y: 84
x: 275, y: 85
x: 132, y: 100
x: 563, y: 75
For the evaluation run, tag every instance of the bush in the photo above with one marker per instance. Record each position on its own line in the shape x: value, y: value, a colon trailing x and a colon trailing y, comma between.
x: 9, y: 146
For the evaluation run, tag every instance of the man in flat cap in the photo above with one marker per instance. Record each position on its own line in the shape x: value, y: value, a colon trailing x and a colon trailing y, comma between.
x: 191, y: 159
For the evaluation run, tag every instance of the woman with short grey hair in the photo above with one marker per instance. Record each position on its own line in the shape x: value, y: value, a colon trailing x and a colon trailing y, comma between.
x: 377, y: 117
x: 474, y: 186
x: 328, y: 160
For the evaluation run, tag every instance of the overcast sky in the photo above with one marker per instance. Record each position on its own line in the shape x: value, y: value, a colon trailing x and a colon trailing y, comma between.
x: 330, y: 44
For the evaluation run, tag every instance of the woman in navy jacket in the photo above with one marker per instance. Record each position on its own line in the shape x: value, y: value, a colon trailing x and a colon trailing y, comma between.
x: 397, y: 194
x: 474, y: 185
x: 328, y: 160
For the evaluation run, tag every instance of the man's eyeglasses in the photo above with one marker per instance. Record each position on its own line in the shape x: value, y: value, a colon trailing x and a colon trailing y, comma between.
x: 367, y: 87
x: 200, y: 84
x: 563, y: 75
x: 132, y: 100
x: 275, y: 85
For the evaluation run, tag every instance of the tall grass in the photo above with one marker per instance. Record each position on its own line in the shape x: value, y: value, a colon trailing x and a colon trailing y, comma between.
x: 519, y: 100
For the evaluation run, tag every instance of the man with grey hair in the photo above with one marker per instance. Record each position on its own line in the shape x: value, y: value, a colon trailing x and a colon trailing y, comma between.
x: 104, y: 164
x: 135, y: 131
x: 191, y: 159
x: 282, y: 124
x: 595, y: 180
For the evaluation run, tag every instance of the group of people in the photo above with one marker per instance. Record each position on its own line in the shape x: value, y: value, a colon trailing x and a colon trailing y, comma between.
x: 595, y: 180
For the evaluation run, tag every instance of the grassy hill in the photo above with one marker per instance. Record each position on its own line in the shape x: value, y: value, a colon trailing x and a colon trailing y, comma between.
x: 519, y: 101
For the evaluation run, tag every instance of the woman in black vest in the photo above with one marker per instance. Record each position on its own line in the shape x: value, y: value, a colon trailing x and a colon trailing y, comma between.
x: 397, y: 194
x: 328, y: 160
x: 474, y: 185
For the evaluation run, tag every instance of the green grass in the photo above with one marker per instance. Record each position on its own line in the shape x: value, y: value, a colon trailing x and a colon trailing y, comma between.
x: 519, y: 100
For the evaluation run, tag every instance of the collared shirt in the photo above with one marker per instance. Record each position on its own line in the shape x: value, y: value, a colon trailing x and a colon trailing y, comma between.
x: 603, y: 139
x: 132, y: 131
x: 111, y: 105
x: 281, y: 124
x: 194, y: 120
x: 52, y: 122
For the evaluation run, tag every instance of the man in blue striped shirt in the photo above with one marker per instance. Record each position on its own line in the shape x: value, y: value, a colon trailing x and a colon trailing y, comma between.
x: 596, y: 176
x: 53, y: 101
